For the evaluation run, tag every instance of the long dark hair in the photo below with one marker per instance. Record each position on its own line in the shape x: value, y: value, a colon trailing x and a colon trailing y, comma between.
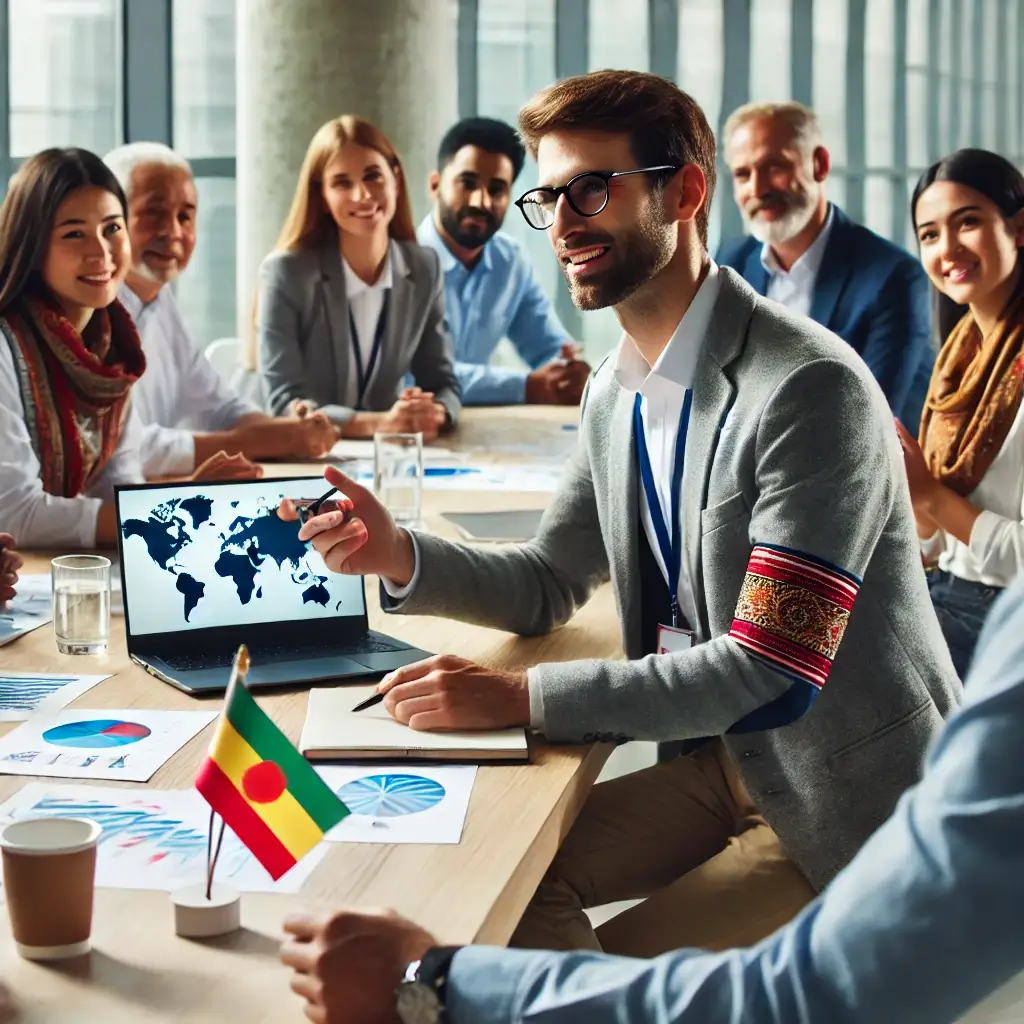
x: 35, y: 192
x: 997, y: 180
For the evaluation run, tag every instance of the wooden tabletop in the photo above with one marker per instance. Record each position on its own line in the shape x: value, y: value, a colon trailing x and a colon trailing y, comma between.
x: 473, y: 892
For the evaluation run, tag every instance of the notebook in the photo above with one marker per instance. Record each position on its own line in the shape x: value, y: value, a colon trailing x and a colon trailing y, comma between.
x: 513, y: 525
x: 333, y: 733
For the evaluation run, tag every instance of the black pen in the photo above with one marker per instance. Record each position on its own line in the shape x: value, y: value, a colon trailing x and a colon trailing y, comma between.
x: 313, y: 508
x: 369, y: 702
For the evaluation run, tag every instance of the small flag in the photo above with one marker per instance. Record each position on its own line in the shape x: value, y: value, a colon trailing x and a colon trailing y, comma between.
x: 263, y: 788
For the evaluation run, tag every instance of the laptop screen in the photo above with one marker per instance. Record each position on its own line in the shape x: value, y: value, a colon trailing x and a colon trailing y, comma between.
x: 196, y: 556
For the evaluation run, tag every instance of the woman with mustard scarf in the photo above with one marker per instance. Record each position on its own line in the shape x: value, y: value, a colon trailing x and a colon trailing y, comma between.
x: 966, y: 470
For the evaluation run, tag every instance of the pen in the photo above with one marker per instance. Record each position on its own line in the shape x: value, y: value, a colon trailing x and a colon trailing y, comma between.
x: 369, y: 702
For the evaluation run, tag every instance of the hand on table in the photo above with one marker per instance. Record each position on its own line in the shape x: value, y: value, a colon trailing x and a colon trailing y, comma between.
x: 363, y: 541
x: 446, y: 693
x: 415, y: 412
x: 309, y: 435
x: 560, y: 382
x: 347, y: 965
x: 10, y: 563
x: 222, y: 466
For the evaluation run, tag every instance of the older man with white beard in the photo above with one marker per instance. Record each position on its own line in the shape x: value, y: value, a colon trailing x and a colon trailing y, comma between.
x: 806, y: 254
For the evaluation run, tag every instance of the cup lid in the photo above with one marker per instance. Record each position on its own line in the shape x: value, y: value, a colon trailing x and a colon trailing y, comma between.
x: 42, y: 837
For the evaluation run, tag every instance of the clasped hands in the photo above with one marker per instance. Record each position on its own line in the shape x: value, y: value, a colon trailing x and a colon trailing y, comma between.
x: 440, y: 693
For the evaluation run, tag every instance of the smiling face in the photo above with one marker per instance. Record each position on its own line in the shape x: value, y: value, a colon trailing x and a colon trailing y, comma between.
x: 161, y: 221
x: 776, y: 184
x: 89, y: 253
x: 360, y: 189
x: 968, y: 248
x: 607, y: 257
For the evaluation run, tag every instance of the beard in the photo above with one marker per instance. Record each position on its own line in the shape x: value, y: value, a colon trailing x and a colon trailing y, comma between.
x: 636, y: 257
x: 156, y: 276
x: 469, y: 236
x: 798, y: 209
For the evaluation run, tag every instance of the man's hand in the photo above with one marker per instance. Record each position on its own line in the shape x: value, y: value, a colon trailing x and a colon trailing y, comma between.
x: 561, y: 382
x: 309, y: 436
x: 415, y: 412
x: 446, y: 693
x: 222, y: 466
x: 347, y: 965
x: 361, y: 542
x: 10, y: 563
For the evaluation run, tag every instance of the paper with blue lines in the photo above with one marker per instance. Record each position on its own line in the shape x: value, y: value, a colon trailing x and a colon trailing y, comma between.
x: 24, y: 693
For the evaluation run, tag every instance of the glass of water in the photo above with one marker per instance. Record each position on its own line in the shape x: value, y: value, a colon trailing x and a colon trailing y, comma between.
x: 398, y: 475
x: 81, y: 603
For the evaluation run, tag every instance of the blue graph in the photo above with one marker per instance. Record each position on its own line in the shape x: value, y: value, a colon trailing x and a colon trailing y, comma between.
x: 103, y: 732
x: 391, y: 796
x: 23, y: 693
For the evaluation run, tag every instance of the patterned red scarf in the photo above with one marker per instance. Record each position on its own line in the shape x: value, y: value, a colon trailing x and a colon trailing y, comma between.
x: 74, y: 387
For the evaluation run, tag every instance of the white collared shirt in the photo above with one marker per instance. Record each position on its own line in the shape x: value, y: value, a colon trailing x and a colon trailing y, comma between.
x: 794, y: 288
x: 180, y: 392
x: 662, y: 390
x: 366, y: 302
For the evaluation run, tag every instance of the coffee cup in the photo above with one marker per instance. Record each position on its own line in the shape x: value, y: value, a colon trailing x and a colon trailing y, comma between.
x: 49, y: 867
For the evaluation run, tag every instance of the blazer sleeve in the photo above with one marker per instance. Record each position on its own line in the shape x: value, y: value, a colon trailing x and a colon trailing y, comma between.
x: 432, y: 364
x: 899, y: 332
x: 825, y: 468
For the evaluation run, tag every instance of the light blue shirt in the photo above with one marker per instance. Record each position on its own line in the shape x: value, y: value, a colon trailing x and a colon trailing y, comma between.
x: 501, y: 297
x: 921, y: 925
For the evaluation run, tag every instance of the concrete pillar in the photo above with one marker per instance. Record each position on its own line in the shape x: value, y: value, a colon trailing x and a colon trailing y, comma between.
x: 302, y: 62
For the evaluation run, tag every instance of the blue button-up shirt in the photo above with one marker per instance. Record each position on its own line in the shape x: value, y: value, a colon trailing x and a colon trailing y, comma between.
x: 501, y: 297
x: 919, y: 927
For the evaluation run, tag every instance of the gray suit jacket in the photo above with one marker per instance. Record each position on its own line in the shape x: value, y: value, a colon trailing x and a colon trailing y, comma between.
x: 791, y: 445
x: 302, y: 327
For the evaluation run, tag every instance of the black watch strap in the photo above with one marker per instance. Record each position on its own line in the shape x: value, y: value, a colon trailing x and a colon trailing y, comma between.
x: 434, y: 968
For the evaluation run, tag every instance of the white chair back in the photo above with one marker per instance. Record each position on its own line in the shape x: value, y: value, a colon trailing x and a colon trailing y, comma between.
x: 225, y: 355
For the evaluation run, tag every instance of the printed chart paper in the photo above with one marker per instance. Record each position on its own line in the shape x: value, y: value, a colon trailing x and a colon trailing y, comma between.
x: 400, y: 803
x: 23, y: 694
x: 31, y: 608
x: 536, y: 478
x: 125, y: 745
x: 153, y: 839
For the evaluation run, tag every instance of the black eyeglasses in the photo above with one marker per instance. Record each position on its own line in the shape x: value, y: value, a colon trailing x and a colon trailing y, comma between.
x: 586, y: 193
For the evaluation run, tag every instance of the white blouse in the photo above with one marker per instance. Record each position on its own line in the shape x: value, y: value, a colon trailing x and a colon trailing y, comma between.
x: 37, y: 519
x: 996, y: 551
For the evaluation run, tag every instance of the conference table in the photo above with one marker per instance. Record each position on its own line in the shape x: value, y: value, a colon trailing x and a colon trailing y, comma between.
x: 471, y: 892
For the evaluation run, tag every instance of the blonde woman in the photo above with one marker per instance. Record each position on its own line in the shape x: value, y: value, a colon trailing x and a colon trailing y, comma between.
x: 348, y: 302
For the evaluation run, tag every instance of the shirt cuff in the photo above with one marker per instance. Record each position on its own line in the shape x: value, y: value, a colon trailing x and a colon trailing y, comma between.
x: 536, y: 701
x: 484, y: 982
x: 393, y: 590
x: 982, y: 533
x: 931, y: 547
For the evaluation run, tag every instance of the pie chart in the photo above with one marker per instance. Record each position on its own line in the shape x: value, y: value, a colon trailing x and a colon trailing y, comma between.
x: 391, y: 796
x: 96, y: 734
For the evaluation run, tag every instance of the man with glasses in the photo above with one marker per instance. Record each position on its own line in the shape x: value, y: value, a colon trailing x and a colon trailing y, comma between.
x: 740, y: 482
x: 491, y: 290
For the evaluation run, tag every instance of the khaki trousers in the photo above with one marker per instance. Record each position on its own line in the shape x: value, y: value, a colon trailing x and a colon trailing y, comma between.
x: 686, y: 838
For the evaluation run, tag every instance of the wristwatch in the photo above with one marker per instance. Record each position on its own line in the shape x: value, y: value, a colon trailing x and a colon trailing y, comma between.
x: 420, y: 996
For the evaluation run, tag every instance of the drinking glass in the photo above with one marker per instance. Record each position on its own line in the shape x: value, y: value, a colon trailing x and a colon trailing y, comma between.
x: 81, y: 603
x: 398, y: 475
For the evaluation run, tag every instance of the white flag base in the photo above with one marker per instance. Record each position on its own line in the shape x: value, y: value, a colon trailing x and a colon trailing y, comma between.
x: 196, y: 917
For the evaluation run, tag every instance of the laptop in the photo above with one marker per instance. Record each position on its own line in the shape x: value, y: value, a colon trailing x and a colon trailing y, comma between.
x: 207, y: 567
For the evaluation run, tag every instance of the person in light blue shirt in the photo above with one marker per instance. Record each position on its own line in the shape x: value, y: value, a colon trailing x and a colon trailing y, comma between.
x: 921, y: 925
x: 491, y: 289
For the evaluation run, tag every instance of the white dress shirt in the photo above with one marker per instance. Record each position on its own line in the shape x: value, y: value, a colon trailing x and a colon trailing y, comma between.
x: 794, y: 288
x: 35, y: 518
x: 995, y: 553
x: 180, y: 392
x: 366, y: 302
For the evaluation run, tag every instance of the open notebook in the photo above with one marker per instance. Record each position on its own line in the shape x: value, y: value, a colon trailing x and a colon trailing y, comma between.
x: 333, y: 733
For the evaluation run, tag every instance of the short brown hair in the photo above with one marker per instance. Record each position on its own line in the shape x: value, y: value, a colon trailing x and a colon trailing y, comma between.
x: 665, y: 125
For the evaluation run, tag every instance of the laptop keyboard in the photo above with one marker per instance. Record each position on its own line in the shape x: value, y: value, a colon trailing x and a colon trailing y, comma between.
x: 190, y: 662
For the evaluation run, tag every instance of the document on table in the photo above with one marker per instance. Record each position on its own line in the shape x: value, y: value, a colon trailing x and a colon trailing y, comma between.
x: 540, y: 478
x: 355, y: 448
x: 153, y: 838
x: 401, y: 803
x: 31, y: 608
x: 23, y: 694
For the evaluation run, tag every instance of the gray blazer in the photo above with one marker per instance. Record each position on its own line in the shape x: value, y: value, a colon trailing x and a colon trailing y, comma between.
x: 791, y: 444
x: 302, y: 327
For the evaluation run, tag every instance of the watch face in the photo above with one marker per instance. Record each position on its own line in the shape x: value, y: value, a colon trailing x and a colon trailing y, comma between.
x: 417, y: 1003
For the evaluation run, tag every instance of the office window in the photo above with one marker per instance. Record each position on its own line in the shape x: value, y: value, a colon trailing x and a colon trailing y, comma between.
x: 918, y: 99
x: 770, y: 50
x: 879, y: 94
x: 987, y: 133
x: 618, y: 35
x: 64, y: 63
x: 829, y: 87
x: 967, y: 132
x: 1013, y: 143
x: 947, y: 94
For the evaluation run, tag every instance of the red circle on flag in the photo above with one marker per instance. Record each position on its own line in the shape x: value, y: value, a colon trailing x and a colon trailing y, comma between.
x: 263, y: 783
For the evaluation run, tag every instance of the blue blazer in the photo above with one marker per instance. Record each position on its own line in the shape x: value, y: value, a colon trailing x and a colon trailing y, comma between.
x: 876, y: 297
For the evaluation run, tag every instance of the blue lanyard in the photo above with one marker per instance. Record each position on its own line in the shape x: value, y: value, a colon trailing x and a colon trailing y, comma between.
x: 363, y: 375
x: 671, y: 546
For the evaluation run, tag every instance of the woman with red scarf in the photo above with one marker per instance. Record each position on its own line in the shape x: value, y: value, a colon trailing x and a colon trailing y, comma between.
x: 69, y: 353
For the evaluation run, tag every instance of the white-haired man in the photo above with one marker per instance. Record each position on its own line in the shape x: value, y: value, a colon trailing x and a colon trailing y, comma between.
x: 805, y: 253
x: 187, y: 410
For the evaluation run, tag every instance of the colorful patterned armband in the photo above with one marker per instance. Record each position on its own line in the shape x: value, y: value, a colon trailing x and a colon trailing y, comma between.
x: 793, y: 610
